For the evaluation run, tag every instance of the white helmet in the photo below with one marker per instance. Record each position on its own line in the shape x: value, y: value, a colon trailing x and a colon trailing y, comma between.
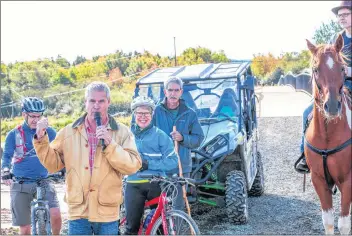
x: 142, y: 101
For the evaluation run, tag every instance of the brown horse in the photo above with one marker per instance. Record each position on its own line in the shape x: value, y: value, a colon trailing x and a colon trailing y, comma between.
x: 328, y: 137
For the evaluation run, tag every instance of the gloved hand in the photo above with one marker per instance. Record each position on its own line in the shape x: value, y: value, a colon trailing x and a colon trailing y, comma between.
x: 144, y: 165
x: 6, y: 176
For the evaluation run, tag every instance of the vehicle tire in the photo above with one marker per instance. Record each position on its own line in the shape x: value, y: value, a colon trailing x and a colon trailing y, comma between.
x: 180, y: 216
x: 258, y: 184
x: 41, y: 223
x: 236, y: 197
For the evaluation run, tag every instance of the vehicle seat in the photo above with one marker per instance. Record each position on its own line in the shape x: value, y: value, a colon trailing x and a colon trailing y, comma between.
x: 227, y: 104
x: 189, y: 100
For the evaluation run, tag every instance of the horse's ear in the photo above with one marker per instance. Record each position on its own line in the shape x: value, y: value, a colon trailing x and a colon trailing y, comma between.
x: 339, y: 43
x: 311, y: 47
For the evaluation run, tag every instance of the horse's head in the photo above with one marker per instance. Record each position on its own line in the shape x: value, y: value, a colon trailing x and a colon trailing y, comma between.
x: 328, y: 77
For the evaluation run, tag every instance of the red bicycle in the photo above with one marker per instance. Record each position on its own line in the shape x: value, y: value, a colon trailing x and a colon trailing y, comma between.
x: 165, y: 220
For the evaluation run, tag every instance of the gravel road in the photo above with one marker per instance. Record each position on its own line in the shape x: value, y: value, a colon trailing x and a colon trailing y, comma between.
x: 284, y: 208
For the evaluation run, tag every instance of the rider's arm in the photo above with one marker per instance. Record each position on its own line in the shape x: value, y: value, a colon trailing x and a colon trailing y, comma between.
x: 9, y: 149
x: 196, y: 135
x: 168, y: 160
x: 51, y: 156
x: 122, y: 153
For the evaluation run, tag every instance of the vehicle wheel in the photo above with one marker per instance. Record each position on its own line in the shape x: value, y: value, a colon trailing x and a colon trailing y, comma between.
x: 236, y: 197
x: 183, y: 224
x: 41, y: 223
x: 258, y: 184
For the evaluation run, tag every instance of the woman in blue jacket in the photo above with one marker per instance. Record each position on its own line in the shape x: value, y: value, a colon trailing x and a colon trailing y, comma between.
x: 158, y: 156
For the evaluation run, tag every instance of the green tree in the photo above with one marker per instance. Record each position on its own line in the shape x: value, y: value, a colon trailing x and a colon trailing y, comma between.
x: 79, y: 60
x: 63, y: 62
x: 326, y: 32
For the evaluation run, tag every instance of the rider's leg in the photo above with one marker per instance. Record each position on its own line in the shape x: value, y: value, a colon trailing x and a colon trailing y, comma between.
x: 56, y: 222
x: 53, y: 202
x: 302, y: 165
x: 21, y: 198
x: 153, y: 192
x: 135, y: 196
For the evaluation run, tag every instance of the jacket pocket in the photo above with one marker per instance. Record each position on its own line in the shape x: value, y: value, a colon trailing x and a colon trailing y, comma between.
x: 110, y: 192
x: 74, y: 192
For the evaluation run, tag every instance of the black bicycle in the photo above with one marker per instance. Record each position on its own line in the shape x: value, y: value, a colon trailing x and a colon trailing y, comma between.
x: 40, y: 214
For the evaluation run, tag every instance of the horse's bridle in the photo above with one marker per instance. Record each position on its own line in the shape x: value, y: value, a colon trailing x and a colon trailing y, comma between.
x: 325, y: 152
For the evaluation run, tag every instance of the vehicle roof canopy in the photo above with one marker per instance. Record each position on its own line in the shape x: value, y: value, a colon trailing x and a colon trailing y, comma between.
x: 199, y: 72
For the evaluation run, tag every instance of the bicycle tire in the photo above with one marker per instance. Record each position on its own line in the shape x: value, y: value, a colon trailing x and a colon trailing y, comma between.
x: 178, y: 214
x: 41, y: 224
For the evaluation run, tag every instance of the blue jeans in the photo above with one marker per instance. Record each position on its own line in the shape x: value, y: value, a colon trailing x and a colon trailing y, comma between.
x: 85, y: 227
x: 306, y: 112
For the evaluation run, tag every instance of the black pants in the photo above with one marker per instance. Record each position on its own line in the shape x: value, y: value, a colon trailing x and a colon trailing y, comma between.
x: 135, y: 197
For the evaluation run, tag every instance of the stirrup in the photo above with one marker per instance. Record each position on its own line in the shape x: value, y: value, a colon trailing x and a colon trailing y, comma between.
x: 299, y: 167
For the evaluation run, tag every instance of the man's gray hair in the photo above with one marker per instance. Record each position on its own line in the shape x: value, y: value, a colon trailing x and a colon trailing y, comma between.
x: 173, y: 79
x: 97, y: 86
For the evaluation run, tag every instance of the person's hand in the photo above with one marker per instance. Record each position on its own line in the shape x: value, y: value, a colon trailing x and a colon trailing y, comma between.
x: 145, y: 165
x: 6, y: 177
x: 103, y: 133
x: 42, y: 125
x: 175, y: 135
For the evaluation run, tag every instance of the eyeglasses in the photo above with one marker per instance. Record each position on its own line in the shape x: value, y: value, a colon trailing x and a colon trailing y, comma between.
x: 343, y: 15
x: 145, y: 114
x: 173, y: 90
x: 34, y: 117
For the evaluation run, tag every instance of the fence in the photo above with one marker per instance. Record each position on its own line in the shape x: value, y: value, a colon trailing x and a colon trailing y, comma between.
x: 300, y: 82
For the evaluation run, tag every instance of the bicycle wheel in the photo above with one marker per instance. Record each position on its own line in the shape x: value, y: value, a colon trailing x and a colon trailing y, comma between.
x: 41, y: 223
x: 178, y: 223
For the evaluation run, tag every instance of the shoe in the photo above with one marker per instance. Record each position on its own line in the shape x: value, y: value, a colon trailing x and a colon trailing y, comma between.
x: 302, y: 166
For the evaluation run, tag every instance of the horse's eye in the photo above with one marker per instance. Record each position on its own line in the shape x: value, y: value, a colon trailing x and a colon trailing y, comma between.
x: 315, y: 70
x: 343, y: 69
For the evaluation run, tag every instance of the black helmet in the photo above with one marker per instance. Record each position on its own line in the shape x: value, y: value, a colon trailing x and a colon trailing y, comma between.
x: 33, y: 104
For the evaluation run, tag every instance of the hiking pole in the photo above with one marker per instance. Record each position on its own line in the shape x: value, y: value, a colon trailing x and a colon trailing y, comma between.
x: 181, y: 175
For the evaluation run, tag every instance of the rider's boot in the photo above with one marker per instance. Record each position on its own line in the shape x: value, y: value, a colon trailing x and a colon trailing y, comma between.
x: 302, y: 166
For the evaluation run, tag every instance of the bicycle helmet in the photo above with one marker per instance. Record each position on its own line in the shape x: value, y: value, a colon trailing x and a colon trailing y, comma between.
x: 142, y: 101
x: 33, y: 104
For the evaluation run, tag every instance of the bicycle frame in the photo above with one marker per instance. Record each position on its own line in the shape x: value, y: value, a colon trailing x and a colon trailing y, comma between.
x: 160, y: 210
x: 36, y: 205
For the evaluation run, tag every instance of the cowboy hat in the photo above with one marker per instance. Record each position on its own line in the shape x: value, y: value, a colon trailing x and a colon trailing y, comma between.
x: 343, y: 4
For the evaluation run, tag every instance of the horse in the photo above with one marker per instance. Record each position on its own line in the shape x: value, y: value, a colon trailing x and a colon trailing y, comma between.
x: 328, y: 136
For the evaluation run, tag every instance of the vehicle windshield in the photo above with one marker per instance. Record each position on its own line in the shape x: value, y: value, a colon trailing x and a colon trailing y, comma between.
x: 211, y: 99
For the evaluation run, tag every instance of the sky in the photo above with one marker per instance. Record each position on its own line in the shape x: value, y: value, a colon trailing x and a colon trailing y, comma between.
x: 35, y: 30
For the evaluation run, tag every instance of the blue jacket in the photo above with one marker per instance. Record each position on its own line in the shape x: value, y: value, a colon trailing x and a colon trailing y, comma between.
x: 30, y: 166
x: 187, y: 124
x: 156, y: 147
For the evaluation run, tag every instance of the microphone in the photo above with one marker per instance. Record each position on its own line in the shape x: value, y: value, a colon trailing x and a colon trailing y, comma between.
x: 97, y: 118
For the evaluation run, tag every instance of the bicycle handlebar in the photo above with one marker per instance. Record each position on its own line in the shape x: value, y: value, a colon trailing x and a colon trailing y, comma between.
x: 158, y: 177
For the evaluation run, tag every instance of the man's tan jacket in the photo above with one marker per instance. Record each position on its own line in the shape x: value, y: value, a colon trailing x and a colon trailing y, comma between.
x: 97, y: 196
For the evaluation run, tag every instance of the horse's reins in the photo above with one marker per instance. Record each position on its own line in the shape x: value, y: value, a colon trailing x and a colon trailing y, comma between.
x: 326, y: 152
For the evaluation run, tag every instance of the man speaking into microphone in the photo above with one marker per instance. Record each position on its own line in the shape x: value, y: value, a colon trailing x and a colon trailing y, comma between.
x: 96, y: 151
